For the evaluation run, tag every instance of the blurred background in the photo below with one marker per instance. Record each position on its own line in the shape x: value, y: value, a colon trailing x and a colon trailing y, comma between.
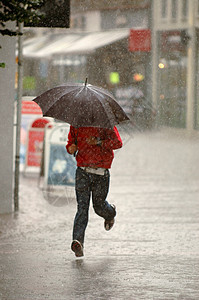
x: 116, y: 44
x: 144, y: 51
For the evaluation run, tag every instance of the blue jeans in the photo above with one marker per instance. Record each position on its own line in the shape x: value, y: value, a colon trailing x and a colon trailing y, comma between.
x: 85, y: 185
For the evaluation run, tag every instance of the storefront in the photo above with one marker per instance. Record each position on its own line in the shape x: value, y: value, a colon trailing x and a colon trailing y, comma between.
x: 72, y: 57
x: 107, y: 58
x: 175, y: 58
x: 172, y: 74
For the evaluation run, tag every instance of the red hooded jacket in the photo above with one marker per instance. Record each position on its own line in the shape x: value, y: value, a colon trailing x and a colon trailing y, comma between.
x: 94, y: 156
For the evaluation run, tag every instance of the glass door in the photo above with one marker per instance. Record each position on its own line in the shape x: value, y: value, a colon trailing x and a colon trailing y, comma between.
x: 172, y: 69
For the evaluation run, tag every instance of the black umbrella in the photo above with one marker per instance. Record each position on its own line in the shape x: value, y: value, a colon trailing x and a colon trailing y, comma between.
x: 82, y: 105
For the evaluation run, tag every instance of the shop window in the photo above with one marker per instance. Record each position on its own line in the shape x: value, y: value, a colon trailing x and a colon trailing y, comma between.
x: 172, y: 76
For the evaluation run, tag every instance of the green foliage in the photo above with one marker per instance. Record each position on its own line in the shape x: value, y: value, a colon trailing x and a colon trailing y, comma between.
x: 19, y: 11
x: 2, y: 65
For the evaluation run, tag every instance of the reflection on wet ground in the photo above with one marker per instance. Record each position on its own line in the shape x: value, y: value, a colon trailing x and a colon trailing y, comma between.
x: 152, y: 251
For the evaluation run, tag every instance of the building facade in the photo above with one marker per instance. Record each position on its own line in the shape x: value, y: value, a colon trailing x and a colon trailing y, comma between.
x: 175, y: 62
x: 106, y: 15
x: 169, y: 70
x: 96, y: 46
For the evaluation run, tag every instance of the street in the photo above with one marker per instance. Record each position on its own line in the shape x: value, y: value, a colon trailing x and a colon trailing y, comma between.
x: 152, y: 250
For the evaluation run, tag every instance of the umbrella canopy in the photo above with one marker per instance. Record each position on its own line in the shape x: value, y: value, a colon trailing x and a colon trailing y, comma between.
x: 82, y: 105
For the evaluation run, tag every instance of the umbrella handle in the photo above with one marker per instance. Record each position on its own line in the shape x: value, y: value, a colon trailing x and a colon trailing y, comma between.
x: 75, y: 153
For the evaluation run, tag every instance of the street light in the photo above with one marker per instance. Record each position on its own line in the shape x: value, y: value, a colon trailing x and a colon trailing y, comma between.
x: 161, y: 65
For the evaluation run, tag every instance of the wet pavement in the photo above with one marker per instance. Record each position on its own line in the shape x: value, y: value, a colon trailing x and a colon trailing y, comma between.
x: 151, y: 253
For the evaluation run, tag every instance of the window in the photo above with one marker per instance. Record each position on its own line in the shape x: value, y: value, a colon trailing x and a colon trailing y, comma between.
x: 198, y: 9
x: 174, y: 9
x: 83, y: 22
x: 185, y: 8
x: 121, y: 21
x: 74, y: 23
x: 164, y: 9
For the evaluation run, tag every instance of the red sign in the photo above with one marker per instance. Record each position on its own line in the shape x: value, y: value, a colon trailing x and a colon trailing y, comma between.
x: 140, y: 40
x: 35, y: 147
x: 35, y: 142
x: 40, y: 123
x: 30, y: 107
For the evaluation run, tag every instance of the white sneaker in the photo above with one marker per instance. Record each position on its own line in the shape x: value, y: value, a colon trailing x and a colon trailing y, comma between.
x: 108, y: 224
x: 77, y: 247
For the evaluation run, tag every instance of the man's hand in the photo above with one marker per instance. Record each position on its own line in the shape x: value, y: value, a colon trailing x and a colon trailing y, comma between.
x: 94, y: 141
x: 91, y: 140
x: 72, y: 149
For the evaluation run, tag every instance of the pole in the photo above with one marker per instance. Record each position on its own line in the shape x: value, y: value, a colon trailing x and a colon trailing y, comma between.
x: 191, y: 68
x: 154, y: 60
x: 18, y: 120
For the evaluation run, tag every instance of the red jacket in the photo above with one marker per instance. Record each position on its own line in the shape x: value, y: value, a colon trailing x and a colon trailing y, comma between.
x: 94, y: 156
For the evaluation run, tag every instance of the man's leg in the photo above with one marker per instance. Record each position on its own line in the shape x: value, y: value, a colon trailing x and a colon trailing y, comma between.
x: 100, y: 188
x: 82, y: 188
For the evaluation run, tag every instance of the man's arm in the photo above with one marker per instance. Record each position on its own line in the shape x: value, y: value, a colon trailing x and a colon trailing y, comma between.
x: 71, y: 147
x: 113, y: 140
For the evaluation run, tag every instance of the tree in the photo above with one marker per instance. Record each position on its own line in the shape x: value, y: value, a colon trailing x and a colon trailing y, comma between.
x: 20, y: 11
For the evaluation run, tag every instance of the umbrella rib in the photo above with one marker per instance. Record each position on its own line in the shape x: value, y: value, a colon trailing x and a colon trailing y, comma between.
x: 107, y: 107
x: 102, y: 91
x: 61, y: 98
x: 80, y: 91
x: 57, y: 98
x: 106, y: 93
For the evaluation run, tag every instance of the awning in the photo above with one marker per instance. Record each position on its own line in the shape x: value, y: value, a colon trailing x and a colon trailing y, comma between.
x: 55, y: 45
x: 93, y: 41
x: 72, y: 43
x: 31, y: 46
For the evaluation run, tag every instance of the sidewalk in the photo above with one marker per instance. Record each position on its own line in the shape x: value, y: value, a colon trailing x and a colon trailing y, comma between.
x: 152, y: 251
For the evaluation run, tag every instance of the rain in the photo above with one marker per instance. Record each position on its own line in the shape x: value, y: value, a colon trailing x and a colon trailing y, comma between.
x: 143, y: 55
